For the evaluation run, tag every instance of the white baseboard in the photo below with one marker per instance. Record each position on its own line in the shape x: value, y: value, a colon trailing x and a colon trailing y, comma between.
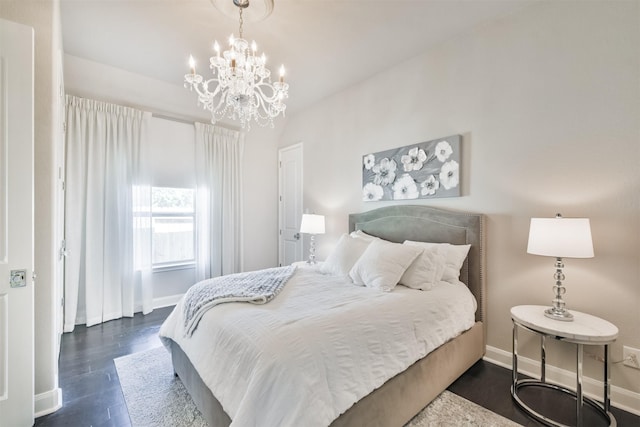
x: 620, y: 398
x: 166, y: 301
x: 47, y: 402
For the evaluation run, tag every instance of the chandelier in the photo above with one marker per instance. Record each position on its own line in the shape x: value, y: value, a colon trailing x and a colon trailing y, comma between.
x: 241, y: 87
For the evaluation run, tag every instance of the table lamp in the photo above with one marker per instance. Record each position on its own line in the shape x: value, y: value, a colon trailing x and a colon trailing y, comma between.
x: 312, y: 224
x: 560, y: 238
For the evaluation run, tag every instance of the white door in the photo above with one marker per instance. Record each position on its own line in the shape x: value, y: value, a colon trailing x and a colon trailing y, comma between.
x: 290, y: 207
x: 16, y: 225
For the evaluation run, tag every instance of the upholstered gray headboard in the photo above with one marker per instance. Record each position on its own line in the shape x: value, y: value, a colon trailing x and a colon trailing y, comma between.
x: 427, y: 224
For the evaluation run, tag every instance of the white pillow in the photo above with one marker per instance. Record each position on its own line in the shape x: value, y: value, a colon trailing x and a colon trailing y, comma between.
x: 441, y: 256
x: 382, y: 264
x: 359, y: 234
x: 455, y: 256
x: 426, y: 270
x: 344, y: 255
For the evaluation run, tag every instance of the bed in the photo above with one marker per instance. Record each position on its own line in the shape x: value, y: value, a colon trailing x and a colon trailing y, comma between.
x: 406, y: 393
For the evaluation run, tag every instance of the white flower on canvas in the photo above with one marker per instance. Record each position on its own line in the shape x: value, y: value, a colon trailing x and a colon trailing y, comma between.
x: 405, y: 188
x: 369, y: 160
x: 385, y: 172
x: 443, y: 150
x: 414, y: 160
x: 430, y: 186
x: 372, y: 192
x: 450, y: 175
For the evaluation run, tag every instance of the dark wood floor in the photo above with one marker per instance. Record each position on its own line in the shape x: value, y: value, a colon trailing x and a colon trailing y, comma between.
x: 92, y: 395
x: 91, y: 392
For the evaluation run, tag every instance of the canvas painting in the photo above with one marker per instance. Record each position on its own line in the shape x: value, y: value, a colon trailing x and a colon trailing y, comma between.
x: 419, y: 171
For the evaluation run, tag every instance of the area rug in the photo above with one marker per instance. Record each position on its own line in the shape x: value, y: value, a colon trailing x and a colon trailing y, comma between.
x: 156, y: 398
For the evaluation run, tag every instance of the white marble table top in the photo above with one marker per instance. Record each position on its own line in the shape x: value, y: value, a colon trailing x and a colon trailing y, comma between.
x: 584, y: 329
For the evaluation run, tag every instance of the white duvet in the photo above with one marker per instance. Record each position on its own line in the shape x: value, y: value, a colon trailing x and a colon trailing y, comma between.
x: 320, y: 346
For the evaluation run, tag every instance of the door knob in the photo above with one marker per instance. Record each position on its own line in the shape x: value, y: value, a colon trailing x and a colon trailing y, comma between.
x: 296, y: 236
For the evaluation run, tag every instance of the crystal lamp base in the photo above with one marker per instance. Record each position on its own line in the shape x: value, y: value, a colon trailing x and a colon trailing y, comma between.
x: 563, y: 315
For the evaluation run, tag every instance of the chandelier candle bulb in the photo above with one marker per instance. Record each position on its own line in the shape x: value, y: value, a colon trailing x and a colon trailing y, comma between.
x: 282, y: 73
x: 192, y: 65
x: 216, y: 48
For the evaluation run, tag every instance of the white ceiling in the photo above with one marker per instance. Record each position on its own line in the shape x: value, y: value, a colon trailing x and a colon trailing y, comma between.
x: 325, y: 45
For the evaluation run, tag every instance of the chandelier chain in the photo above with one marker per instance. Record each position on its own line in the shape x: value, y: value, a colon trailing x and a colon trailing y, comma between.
x: 241, y: 22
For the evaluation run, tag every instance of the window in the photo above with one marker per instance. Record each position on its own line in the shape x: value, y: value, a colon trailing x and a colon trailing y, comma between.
x: 173, y: 222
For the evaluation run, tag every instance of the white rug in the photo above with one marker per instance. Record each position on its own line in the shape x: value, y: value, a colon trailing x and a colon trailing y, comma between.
x: 156, y: 398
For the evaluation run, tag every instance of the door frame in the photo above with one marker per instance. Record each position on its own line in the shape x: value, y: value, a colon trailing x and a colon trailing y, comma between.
x: 281, y: 202
x: 59, y: 212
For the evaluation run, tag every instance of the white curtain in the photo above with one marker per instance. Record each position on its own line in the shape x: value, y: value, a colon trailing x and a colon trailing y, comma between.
x: 107, y: 227
x: 219, y: 201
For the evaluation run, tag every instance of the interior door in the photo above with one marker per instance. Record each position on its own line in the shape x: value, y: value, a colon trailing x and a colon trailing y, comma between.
x: 290, y: 204
x: 16, y: 225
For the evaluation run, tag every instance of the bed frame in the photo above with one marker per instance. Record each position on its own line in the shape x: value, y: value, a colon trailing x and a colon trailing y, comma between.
x: 406, y: 394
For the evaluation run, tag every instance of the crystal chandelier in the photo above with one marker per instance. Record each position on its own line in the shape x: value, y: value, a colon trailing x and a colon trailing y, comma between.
x: 241, y: 87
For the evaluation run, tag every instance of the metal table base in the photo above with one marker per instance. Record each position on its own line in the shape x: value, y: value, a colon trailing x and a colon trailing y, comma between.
x: 603, y: 409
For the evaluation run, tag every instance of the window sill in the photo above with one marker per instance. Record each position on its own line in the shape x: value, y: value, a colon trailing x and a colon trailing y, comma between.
x: 173, y: 267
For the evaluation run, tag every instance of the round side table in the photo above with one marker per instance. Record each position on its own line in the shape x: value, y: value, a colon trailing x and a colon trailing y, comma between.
x: 583, y: 330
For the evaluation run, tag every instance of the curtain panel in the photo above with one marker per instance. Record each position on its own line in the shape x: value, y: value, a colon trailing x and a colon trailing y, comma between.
x: 107, y: 213
x: 219, y: 154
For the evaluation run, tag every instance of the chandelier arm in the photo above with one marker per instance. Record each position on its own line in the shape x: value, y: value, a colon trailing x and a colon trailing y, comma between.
x: 216, y: 90
x: 263, y: 106
x: 261, y: 95
x: 272, y: 88
x: 202, y: 98
x: 202, y: 89
x: 272, y: 108
x: 207, y: 98
x: 201, y: 95
x: 267, y: 98
x: 220, y: 102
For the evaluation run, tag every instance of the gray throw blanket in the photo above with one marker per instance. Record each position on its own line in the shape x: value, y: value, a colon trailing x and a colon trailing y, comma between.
x: 256, y: 287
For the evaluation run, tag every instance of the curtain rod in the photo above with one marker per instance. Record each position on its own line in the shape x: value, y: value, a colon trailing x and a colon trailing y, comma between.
x: 157, y: 114
x: 188, y: 121
x: 165, y: 116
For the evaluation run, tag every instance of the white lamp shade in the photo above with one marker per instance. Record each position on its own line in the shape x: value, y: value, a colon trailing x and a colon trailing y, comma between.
x: 560, y: 237
x: 312, y: 224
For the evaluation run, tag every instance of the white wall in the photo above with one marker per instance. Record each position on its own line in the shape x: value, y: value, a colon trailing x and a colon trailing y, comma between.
x: 93, y: 80
x: 260, y: 202
x: 548, y: 103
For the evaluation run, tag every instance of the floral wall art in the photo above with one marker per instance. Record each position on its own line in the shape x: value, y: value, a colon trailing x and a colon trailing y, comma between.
x: 419, y: 171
